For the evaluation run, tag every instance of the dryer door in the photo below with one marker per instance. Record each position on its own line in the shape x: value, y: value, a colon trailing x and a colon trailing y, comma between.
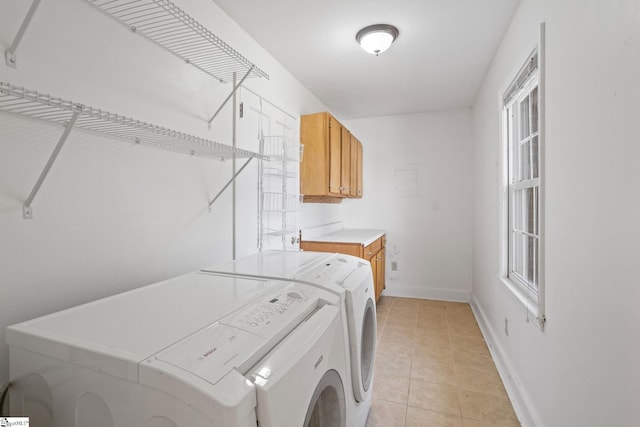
x: 327, y: 407
x: 300, y: 382
x: 368, y: 348
x: 361, y: 316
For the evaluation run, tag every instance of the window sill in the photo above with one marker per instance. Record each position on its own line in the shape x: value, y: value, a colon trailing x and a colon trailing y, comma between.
x: 524, y: 301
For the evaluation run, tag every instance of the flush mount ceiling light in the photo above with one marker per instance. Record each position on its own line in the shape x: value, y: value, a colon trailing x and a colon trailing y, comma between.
x: 375, y: 39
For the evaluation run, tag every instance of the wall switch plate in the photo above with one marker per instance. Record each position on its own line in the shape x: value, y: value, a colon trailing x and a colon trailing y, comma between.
x: 435, y: 205
x: 394, y: 265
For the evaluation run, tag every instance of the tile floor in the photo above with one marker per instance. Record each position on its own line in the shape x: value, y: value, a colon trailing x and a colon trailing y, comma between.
x: 433, y: 369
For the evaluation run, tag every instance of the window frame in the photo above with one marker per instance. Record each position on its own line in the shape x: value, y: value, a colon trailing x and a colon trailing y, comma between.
x: 517, y: 184
x: 534, y: 302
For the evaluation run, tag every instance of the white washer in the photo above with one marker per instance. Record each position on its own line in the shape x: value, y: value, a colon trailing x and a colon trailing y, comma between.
x: 200, y: 350
x: 350, y: 278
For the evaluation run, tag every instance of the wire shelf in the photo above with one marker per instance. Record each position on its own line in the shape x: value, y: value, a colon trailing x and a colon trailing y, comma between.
x: 281, y: 149
x: 18, y: 100
x: 277, y: 232
x: 280, y: 202
x: 278, y: 172
x: 169, y: 27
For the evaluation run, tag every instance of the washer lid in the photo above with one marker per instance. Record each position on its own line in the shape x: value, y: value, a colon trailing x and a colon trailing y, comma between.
x: 114, y: 334
x: 337, y: 271
x: 275, y: 264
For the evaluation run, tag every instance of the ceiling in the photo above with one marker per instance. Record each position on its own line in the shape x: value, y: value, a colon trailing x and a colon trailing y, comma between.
x: 437, y: 63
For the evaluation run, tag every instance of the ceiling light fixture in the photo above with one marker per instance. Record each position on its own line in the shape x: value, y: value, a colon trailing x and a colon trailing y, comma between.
x: 375, y: 39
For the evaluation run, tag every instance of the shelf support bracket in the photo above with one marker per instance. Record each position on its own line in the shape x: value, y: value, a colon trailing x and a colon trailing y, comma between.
x: 10, y: 54
x: 233, y: 178
x: 26, y: 208
x: 235, y: 88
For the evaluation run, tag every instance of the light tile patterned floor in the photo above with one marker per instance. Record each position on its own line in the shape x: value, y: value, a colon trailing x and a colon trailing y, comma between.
x: 433, y: 369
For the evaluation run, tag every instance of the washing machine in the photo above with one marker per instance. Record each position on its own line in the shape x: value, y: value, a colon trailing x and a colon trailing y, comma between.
x: 200, y: 350
x: 348, y: 277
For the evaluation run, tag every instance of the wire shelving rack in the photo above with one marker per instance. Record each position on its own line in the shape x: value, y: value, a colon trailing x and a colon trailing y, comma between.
x: 37, y: 105
x: 169, y: 27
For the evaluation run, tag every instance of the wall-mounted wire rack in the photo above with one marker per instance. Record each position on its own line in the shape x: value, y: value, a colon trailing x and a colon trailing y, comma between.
x: 18, y: 100
x: 171, y: 28
x: 15, y: 99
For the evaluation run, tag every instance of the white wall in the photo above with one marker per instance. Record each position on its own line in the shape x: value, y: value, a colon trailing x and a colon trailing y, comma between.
x: 112, y: 215
x: 583, y: 369
x: 432, y: 248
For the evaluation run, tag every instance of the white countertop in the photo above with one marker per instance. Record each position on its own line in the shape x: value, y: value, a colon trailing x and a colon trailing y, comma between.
x: 362, y: 236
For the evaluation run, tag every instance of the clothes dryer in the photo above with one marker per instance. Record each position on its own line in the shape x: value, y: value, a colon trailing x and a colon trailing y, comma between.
x: 354, y: 277
x: 350, y: 278
x: 200, y: 350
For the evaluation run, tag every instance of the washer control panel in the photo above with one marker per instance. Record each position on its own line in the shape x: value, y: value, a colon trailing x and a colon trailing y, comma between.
x: 279, y: 312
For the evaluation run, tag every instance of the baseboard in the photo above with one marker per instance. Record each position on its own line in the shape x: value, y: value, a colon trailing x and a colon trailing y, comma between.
x: 521, y: 404
x: 427, y: 293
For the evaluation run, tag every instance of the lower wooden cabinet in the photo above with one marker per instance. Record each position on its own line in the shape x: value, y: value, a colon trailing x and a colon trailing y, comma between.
x: 374, y: 253
x: 380, y: 272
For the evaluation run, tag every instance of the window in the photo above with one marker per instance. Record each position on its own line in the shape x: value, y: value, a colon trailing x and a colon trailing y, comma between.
x: 522, y: 191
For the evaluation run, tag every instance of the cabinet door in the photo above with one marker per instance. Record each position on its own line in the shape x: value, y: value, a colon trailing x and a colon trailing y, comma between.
x: 353, y: 190
x: 380, y: 267
x: 335, y: 156
x: 374, y: 271
x: 345, y: 163
x: 355, y: 164
x: 314, y: 168
x: 358, y: 174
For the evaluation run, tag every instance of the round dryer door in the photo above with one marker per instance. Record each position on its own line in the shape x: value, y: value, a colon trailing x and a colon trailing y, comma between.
x: 368, y: 349
x: 327, y: 407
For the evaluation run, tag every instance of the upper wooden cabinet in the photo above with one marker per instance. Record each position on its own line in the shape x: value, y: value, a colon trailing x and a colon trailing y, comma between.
x: 356, y: 168
x: 331, y: 168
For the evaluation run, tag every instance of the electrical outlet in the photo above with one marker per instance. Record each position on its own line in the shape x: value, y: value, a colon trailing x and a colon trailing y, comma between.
x: 394, y: 265
x: 506, y: 326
